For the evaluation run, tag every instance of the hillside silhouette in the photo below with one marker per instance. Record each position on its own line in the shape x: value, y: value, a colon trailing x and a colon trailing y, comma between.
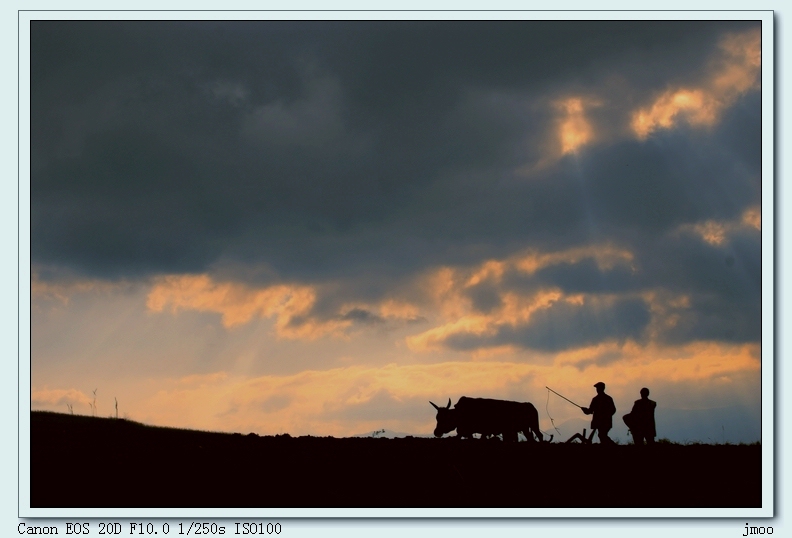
x: 79, y: 461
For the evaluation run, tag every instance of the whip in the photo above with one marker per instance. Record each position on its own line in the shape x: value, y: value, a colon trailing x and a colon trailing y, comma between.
x: 564, y: 397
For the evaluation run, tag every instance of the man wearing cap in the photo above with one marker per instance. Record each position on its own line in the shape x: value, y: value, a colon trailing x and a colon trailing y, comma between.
x: 603, y: 409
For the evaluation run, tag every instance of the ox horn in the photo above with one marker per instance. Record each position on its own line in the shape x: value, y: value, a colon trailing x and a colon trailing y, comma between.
x: 449, y: 404
x: 434, y: 405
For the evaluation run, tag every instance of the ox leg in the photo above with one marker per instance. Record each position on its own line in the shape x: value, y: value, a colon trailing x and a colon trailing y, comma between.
x: 541, y: 438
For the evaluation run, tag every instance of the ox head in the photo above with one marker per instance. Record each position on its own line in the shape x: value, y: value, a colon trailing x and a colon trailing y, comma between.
x: 446, y: 419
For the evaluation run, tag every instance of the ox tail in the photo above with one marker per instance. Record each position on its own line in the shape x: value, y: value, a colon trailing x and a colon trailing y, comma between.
x: 534, y: 427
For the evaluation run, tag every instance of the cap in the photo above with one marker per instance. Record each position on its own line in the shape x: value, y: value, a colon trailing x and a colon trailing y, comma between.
x: 600, y: 384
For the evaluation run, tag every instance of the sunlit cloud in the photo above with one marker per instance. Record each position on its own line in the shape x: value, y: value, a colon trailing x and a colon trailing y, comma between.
x: 238, y: 304
x: 696, y: 106
x: 740, y: 66
x: 570, y: 130
x: 395, y: 309
x: 203, y: 379
x: 435, y: 338
x: 339, y: 286
x: 734, y: 73
x: 290, y: 305
x: 316, y: 402
x: 446, y: 279
x: 605, y: 255
x: 574, y: 129
x: 694, y: 376
x: 712, y: 232
x: 753, y: 217
x: 450, y: 288
x: 64, y: 289
x: 718, y: 232
x: 58, y: 398
x: 358, y: 398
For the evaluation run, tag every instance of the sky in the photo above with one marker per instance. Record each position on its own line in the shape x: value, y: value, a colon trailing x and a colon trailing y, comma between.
x: 317, y: 228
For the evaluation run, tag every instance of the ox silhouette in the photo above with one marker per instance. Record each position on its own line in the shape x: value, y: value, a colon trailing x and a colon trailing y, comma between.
x: 488, y: 417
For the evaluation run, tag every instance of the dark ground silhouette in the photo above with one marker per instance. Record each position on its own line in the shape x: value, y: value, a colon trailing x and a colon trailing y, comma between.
x: 79, y: 461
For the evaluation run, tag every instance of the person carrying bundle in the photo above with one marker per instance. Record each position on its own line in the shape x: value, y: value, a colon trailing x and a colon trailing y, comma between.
x: 641, y: 420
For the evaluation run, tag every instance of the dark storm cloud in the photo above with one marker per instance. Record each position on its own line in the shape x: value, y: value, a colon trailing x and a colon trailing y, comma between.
x: 159, y: 146
x: 587, y: 277
x: 654, y: 186
x: 723, y: 284
x: 367, y: 152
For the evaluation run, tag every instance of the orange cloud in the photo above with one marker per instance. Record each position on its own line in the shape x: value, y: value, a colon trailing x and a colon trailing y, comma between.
x: 63, y: 290
x: 448, y: 286
x: 734, y: 73
x: 696, y: 106
x: 704, y: 367
x: 716, y: 232
x: 691, y: 362
x: 57, y: 397
x: 606, y: 256
x: 712, y: 232
x: 489, y: 270
x: 239, y: 304
x: 740, y: 66
x: 433, y: 339
x: 753, y: 217
x: 313, y: 402
x: 394, y: 309
x: 574, y: 129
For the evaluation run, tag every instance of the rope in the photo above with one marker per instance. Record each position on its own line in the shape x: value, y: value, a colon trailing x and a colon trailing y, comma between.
x: 547, y: 410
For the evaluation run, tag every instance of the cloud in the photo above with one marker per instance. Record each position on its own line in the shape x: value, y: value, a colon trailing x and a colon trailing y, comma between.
x: 239, y: 304
x: 574, y: 130
x: 349, y: 400
x: 683, y: 287
x: 295, y: 307
x: 736, y: 72
x: 314, y: 119
x: 523, y: 300
x: 187, y: 159
x: 58, y: 397
x: 753, y: 217
x: 44, y: 285
x: 716, y: 233
x: 559, y: 325
x: 566, y: 324
x: 358, y: 196
x: 362, y: 316
x: 234, y: 93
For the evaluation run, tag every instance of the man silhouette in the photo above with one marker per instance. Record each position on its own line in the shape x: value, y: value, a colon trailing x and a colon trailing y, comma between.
x: 641, y: 420
x: 603, y: 409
